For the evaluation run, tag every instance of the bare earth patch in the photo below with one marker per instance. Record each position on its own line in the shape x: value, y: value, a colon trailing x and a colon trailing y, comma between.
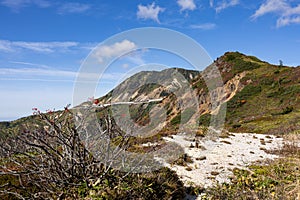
x: 214, y: 161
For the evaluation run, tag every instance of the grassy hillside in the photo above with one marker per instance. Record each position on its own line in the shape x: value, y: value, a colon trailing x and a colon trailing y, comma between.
x: 269, y: 102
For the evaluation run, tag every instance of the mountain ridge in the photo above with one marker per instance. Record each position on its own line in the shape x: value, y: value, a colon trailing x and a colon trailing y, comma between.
x: 260, y: 97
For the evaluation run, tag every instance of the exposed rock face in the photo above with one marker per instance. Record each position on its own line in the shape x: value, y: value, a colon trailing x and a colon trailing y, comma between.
x: 185, y: 93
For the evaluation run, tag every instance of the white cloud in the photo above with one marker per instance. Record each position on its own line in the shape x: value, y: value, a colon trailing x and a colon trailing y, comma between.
x: 49, y: 74
x: 285, y: 21
x: 205, y: 26
x: 34, y: 72
x: 29, y: 64
x: 211, y: 3
x: 5, y: 46
x: 118, y: 48
x: 136, y: 59
x: 287, y: 13
x: 17, y: 4
x: 42, y: 47
x: 125, y: 65
x: 186, y: 4
x: 293, y: 10
x: 149, y: 12
x: 226, y: 4
x: 271, y: 6
x: 73, y: 8
x: 63, y: 8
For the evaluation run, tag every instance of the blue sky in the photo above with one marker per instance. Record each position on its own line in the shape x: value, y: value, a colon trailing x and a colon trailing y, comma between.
x: 43, y: 43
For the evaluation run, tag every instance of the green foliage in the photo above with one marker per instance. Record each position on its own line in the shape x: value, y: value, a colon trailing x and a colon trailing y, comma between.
x: 267, y: 81
x: 187, y: 114
x: 287, y: 110
x: 147, y: 88
x: 250, y: 90
x: 254, y: 58
x: 183, y: 117
x: 240, y: 63
x: 237, y: 125
x: 14, y: 127
x: 247, y: 92
x: 231, y: 56
x: 204, y: 120
x: 162, y: 184
x: 141, y: 112
x: 183, y: 160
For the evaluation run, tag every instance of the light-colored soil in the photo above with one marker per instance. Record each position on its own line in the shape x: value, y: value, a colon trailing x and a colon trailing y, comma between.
x: 214, y: 160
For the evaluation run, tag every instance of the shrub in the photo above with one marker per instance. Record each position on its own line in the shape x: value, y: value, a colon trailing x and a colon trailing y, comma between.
x: 53, y: 163
x: 204, y: 120
x: 183, y: 117
x: 287, y: 110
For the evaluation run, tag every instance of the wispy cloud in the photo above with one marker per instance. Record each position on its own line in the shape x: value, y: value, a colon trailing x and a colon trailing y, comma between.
x: 149, y: 12
x: 136, y: 57
x: 5, y: 46
x: 42, y: 47
x: 211, y: 3
x: 29, y: 64
x: 16, y: 5
x: 226, y: 4
x: 50, y: 74
x: 288, y: 20
x: 21, y: 72
x: 286, y: 12
x: 186, y: 5
x: 271, y: 6
x: 62, y: 8
x: 118, y: 48
x: 73, y: 8
x: 205, y: 26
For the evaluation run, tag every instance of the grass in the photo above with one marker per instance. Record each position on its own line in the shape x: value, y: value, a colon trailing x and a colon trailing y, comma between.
x: 162, y: 184
x: 183, y: 160
x: 183, y: 117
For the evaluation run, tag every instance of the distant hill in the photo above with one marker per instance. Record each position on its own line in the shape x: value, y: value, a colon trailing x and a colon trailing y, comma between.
x: 260, y: 97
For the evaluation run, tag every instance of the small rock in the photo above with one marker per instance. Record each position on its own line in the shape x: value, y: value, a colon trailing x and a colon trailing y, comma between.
x: 214, y: 173
x: 201, y: 158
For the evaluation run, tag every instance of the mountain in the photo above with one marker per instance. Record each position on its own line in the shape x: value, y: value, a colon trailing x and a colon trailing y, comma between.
x: 259, y: 97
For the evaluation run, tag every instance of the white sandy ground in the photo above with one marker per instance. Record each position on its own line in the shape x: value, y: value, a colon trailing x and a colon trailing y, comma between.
x: 221, y: 156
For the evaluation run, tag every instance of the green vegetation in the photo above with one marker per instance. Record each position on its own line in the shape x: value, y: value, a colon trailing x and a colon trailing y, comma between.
x: 183, y: 117
x: 53, y: 163
x: 162, y: 184
x: 204, y: 120
x: 147, y: 88
x: 268, y: 93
